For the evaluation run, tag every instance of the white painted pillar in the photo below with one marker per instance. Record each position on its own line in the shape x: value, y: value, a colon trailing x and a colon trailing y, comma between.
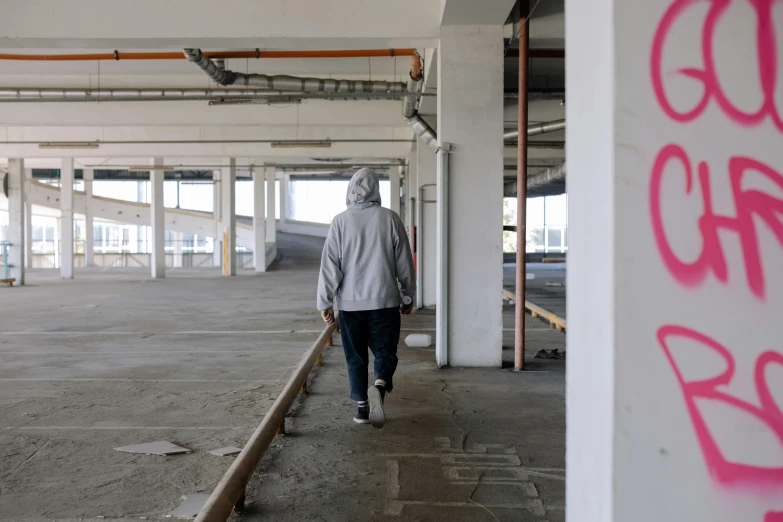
x: 427, y: 220
x: 157, y: 220
x: 228, y: 180
x: 217, y: 214
x: 57, y: 244
x: 66, y: 221
x: 394, y: 190
x: 16, y: 231
x: 259, y: 221
x: 89, y: 257
x: 177, y: 250
x: 271, y: 225
x: 28, y: 221
x: 675, y: 293
x: 285, y: 201
x: 470, y: 118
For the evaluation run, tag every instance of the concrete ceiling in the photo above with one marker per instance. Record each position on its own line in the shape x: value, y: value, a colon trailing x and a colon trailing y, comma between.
x: 51, y: 27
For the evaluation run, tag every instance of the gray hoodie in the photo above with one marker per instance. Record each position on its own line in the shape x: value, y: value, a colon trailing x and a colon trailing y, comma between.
x: 365, y: 254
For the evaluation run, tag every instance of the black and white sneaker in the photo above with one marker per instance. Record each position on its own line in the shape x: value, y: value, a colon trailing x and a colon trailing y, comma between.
x: 363, y: 415
x: 375, y: 398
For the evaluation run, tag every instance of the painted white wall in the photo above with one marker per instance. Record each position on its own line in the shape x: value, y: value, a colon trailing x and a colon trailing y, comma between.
x: 674, y: 383
x: 470, y: 118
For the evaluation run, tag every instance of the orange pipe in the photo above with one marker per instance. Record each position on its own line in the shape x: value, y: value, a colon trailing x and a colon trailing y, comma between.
x: 116, y: 55
x: 416, y: 67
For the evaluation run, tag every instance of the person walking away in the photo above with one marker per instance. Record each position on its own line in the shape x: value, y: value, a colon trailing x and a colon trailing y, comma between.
x: 365, y: 256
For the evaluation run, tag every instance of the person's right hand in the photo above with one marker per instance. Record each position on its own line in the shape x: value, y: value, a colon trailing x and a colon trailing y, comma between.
x: 328, y: 316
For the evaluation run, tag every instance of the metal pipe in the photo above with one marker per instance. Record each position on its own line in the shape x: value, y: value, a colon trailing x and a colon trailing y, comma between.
x: 413, y: 88
x: 423, y: 131
x: 231, y: 487
x: 537, y: 129
x: 519, y: 327
x: 257, y: 53
x: 420, y: 245
x: 292, y: 83
x: 216, y: 96
x: 442, y: 308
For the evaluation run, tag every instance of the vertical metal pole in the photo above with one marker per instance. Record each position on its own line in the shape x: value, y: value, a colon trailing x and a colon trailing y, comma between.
x: 442, y: 284
x: 524, y: 40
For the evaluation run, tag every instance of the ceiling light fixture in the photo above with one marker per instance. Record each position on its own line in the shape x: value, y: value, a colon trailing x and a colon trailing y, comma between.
x: 68, y: 145
x: 142, y: 168
x: 301, y: 144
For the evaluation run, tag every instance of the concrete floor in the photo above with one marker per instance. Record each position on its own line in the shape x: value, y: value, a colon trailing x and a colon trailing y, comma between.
x: 113, y: 358
x: 547, y: 288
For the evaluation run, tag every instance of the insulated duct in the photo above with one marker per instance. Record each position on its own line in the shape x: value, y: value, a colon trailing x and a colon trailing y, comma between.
x: 289, y: 83
x: 547, y: 177
x: 420, y: 127
x: 538, y: 128
x: 549, y: 182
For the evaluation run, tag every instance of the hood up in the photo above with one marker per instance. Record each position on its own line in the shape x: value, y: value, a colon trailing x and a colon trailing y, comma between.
x: 363, y: 190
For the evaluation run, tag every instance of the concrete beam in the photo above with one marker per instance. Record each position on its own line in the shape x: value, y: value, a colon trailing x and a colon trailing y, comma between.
x: 274, y: 24
x: 116, y: 117
x: 470, y: 12
x: 212, y: 150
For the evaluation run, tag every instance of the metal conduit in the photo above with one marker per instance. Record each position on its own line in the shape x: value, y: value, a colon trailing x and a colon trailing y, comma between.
x: 257, y: 53
x: 538, y: 128
x: 289, y: 83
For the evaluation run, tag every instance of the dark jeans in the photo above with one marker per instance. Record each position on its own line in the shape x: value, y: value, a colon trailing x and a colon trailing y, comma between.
x: 380, y: 331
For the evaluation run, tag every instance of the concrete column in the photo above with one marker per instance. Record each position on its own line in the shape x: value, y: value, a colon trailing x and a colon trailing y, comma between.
x: 394, y: 190
x: 470, y: 117
x: 157, y: 220
x: 28, y: 221
x: 228, y: 183
x: 259, y: 221
x: 66, y: 221
x: 177, y: 249
x: 217, y: 243
x: 57, y: 243
x: 426, y: 251
x: 16, y: 206
x: 675, y: 291
x: 89, y: 257
x: 285, y: 203
x: 271, y: 225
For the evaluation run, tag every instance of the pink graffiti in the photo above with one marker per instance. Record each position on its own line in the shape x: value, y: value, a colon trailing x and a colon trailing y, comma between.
x: 748, y: 203
x: 768, y: 412
x: 707, y: 76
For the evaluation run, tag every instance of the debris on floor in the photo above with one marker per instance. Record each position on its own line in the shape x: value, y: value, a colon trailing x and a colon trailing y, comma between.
x: 191, y: 505
x: 225, y: 452
x: 549, y: 354
x: 159, y: 447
